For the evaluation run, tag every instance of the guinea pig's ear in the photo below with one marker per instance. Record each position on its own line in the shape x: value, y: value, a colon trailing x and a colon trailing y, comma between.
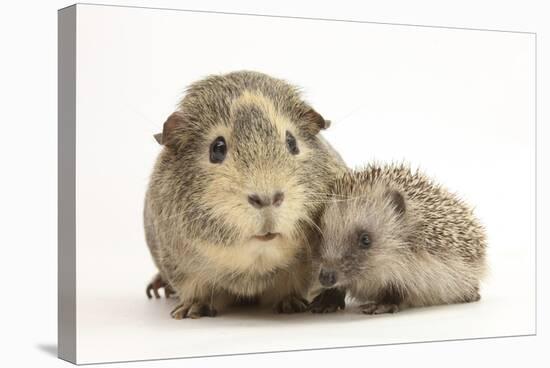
x: 398, y: 201
x: 158, y: 138
x: 314, y: 122
x: 166, y: 138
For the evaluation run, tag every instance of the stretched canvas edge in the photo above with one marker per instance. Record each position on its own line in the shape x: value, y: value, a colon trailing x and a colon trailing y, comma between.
x: 66, y: 160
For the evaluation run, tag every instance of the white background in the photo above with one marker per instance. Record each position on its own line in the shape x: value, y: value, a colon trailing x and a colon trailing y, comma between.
x: 31, y: 140
x: 458, y: 103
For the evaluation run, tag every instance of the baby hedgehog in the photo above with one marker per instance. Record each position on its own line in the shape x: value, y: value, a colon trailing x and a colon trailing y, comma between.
x: 394, y: 239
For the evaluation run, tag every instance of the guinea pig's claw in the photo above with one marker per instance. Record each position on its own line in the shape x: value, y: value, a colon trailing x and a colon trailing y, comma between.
x: 291, y: 304
x: 193, y: 310
x: 156, y: 284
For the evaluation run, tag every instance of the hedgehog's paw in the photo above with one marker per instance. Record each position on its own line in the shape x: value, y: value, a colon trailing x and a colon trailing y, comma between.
x: 379, y: 308
x: 156, y: 284
x: 291, y: 304
x: 329, y: 301
x: 193, y: 310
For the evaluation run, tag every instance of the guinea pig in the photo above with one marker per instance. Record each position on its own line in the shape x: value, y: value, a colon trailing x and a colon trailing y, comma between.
x: 234, y: 199
x: 394, y: 239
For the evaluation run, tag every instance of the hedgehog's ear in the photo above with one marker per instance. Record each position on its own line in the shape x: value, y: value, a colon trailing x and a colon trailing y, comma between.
x: 314, y: 121
x: 398, y: 201
x: 166, y: 138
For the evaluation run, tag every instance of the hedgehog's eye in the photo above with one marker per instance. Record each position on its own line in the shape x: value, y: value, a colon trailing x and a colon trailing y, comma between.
x: 291, y: 144
x: 218, y: 150
x: 364, y: 241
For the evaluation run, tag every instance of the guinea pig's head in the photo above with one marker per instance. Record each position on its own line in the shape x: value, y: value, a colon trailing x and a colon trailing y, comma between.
x: 363, y: 224
x: 244, y: 160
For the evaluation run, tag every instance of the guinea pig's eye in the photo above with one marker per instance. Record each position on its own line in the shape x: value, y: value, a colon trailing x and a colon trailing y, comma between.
x: 291, y: 144
x: 218, y: 150
x: 364, y: 241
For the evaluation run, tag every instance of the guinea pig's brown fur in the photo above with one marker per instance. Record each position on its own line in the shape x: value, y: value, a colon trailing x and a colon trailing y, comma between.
x: 244, y: 227
x: 424, y: 246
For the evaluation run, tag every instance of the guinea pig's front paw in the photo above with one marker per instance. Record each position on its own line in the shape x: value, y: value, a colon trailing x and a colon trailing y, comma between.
x: 379, y: 308
x: 329, y: 301
x: 291, y: 304
x: 193, y: 310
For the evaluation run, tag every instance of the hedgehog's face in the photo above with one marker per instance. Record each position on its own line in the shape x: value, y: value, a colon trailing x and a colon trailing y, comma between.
x: 253, y: 177
x: 361, y: 230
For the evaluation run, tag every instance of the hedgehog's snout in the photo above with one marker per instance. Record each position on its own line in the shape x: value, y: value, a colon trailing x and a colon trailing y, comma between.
x: 327, y: 278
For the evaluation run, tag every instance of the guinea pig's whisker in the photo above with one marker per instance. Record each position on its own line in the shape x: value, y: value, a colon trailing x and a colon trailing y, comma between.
x: 347, y: 199
x: 337, y: 121
x: 320, y: 231
x: 153, y: 123
x: 328, y: 195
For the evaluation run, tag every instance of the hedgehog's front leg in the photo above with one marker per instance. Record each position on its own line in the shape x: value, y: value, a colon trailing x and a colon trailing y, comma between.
x: 379, y: 308
x: 328, y: 301
x: 388, y: 300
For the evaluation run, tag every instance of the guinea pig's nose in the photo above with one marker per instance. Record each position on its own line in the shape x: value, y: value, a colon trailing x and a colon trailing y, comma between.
x: 278, y: 198
x: 258, y: 201
x: 327, y: 278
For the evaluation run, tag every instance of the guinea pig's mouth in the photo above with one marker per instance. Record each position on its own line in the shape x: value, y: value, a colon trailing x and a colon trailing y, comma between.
x: 266, y: 236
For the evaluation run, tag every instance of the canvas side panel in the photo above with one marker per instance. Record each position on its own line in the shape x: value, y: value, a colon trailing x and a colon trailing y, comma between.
x: 66, y: 159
